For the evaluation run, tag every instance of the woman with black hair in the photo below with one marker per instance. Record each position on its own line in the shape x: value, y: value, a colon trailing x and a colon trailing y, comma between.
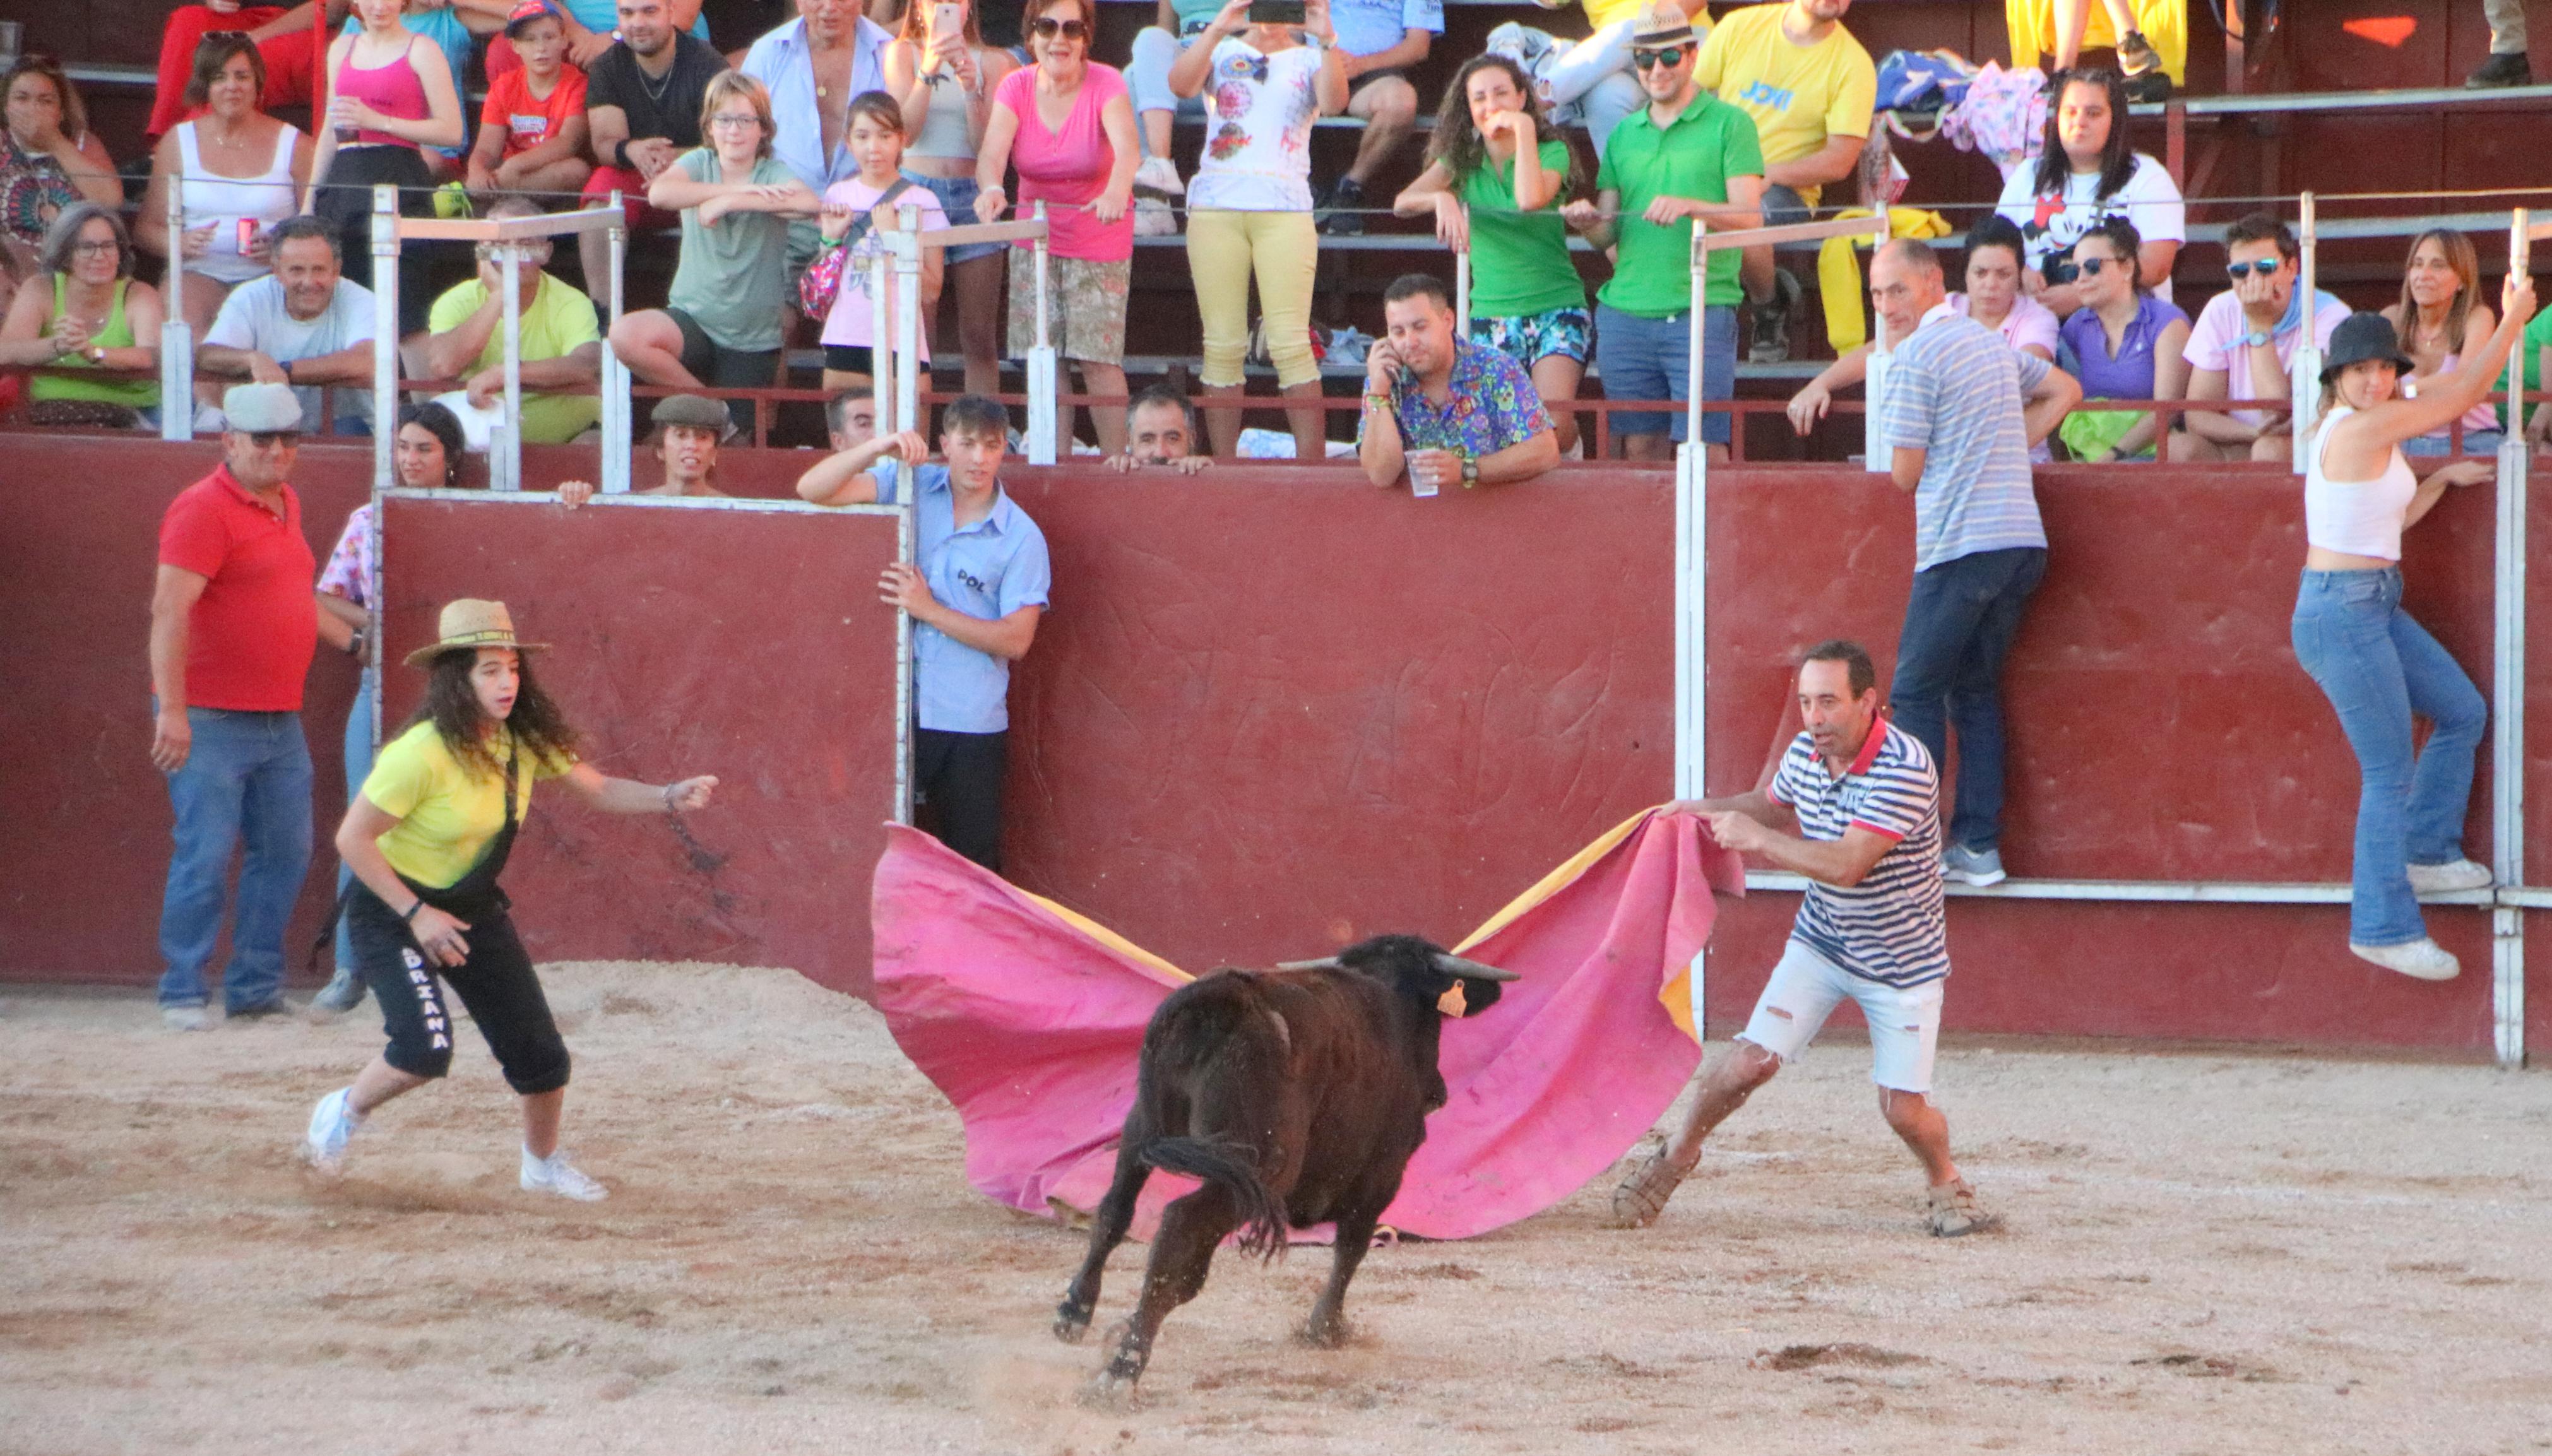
x: 2086, y: 173
x: 1494, y: 181
x: 428, y: 838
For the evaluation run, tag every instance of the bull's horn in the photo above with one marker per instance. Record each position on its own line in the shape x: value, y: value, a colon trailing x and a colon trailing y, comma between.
x: 1452, y: 965
x: 1326, y: 963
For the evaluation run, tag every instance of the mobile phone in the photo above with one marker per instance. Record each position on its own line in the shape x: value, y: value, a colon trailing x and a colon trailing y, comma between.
x: 947, y: 26
x: 1275, y: 12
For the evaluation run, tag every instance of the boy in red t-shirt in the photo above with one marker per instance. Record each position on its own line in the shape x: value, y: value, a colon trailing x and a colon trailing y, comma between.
x: 531, y: 136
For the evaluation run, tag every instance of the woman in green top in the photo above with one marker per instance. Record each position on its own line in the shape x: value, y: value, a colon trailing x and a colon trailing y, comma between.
x: 427, y: 839
x: 94, y: 317
x: 1494, y: 186
x: 720, y: 326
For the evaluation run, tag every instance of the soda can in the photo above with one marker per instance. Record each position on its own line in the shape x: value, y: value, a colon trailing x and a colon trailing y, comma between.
x: 247, y: 235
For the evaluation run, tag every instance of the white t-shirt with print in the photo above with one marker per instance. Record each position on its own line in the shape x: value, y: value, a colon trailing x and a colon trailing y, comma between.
x: 1259, y: 111
x: 2051, y: 226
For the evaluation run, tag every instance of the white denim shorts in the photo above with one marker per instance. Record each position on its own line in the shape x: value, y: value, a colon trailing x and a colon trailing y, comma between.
x: 1904, y: 1022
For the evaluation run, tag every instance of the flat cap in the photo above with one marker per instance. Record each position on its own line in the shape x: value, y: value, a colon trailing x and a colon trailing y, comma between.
x: 258, y: 409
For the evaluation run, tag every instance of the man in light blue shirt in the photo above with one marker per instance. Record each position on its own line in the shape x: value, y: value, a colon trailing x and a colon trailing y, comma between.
x: 812, y: 66
x: 975, y: 592
x: 1961, y: 411
x: 1379, y: 40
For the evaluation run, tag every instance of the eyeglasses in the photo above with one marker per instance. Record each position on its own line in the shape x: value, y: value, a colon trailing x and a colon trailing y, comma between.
x: 746, y: 120
x: 1070, y: 30
x: 2090, y: 267
x: 2264, y: 267
x: 274, y: 439
x: 1672, y: 56
x: 97, y: 246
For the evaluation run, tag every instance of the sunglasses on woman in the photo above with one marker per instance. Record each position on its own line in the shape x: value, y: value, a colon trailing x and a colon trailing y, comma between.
x: 1672, y: 56
x: 1070, y: 30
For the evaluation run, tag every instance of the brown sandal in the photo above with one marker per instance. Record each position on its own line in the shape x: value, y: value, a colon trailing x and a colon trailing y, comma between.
x: 1642, y: 1195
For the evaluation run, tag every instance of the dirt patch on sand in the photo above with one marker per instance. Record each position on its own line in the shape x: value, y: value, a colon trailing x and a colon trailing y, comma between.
x: 2205, y: 1254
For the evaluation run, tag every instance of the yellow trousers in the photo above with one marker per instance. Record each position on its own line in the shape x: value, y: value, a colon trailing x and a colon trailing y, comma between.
x: 1284, y: 249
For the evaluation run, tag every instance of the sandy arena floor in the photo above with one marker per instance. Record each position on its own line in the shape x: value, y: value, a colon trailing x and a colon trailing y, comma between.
x: 2208, y: 1254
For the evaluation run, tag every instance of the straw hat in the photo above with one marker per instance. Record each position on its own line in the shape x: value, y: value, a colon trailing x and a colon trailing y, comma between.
x: 468, y: 624
x: 1663, y: 24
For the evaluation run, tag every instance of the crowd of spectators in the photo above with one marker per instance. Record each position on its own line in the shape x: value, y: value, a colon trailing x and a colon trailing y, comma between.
x: 780, y: 171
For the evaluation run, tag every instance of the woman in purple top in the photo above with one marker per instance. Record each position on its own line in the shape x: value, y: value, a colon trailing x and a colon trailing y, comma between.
x: 2122, y: 343
x: 1068, y: 125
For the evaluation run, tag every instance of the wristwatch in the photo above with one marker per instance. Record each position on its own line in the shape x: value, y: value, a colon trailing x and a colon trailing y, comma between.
x: 1471, y: 472
x: 354, y: 644
x: 2257, y: 339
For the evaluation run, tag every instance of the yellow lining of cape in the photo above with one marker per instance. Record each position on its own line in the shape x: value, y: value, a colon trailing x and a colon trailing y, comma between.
x: 1109, y: 938
x: 1556, y: 881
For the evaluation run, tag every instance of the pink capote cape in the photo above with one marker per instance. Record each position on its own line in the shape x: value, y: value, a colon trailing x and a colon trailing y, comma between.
x: 1031, y: 1017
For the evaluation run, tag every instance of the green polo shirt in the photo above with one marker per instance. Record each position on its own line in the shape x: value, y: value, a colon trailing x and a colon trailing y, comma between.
x: 1694, y: 156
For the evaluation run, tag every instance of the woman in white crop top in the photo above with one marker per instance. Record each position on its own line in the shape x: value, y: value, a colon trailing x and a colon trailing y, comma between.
x: 233, y: 165
x: 2375, y: 665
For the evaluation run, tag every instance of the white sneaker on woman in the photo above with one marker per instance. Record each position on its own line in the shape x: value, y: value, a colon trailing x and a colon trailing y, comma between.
x: 332, y: 1125
x: 2453, y: 874
x: 556, y: 1175
x: 2422, y: 959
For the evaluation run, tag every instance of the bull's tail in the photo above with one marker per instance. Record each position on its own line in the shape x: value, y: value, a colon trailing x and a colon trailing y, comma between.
x: 1228, y: 1167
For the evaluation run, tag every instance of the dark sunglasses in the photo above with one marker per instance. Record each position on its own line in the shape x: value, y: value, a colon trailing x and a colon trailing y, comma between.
x: 2264, y: 267
x: 269, y: 439
x: 1070, y: 30
x: 2090, y: 267
x: 1670, y: 56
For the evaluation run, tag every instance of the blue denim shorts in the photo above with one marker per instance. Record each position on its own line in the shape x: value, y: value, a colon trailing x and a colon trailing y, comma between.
x: 957, y: 198
x: 1642, y: 358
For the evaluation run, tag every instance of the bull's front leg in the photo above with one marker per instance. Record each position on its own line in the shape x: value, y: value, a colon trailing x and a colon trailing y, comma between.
x: 1107, y: 1226
x: 1327, y: 1327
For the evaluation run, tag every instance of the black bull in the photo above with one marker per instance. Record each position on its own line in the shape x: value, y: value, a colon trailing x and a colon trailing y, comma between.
x: 1297, y: 1096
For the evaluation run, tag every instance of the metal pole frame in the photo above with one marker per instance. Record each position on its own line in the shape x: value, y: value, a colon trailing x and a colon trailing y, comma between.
x: 897, y: 387
x: 2508, y: 698
x: 505, y: 442
x: 1042, y: 386
x: 616, y: 399
x: 176, y: 341
x: 1462, y: 290
x: 386, y: 338
x: 2306, y: 363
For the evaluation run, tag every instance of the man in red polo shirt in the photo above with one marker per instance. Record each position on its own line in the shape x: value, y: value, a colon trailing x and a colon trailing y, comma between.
x: 233, y: 624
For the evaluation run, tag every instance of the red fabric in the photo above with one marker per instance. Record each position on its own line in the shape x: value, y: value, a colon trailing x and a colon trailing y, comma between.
x: 250, y: 639
x: 1031, y: 1026
x: 528, y: 119
x: 501, y: 60
x: 632, y: 188
x: 289, y: 60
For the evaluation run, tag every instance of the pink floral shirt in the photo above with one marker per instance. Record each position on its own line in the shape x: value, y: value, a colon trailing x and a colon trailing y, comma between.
x: 348, y: 572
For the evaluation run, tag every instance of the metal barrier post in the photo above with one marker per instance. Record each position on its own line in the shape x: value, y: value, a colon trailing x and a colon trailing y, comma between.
x: 907, y: 329
x: 505, y: 442
x: 882, y: 341
x: 2308, y: 356
x: 385, y: 334
x: 616, y: 401
x: 1874, y: 454
x: 1462, y: 290
x: 1692, y: 557
x: 1041, y: 441
x: 2507, y: 700
x: 176, y: 341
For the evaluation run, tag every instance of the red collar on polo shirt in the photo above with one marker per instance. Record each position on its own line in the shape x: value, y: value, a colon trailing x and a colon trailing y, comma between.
x: 1869, y: 748
x: 222, y: 472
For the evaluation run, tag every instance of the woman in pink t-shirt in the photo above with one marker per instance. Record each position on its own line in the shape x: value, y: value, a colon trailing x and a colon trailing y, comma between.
x: 1068, y: 125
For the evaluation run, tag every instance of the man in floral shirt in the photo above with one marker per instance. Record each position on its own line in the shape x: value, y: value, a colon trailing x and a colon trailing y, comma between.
x: 1446, y: 411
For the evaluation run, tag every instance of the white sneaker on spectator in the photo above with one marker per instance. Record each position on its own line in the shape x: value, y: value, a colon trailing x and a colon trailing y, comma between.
x: 2450, y: 876
x: 1978, y: 867
x: 1153, y: 218
x: 556, y: 1175
x: 1158, y: 176
x: 184, y: 1018
x: 332, y: 1123
x: 2422, y: 959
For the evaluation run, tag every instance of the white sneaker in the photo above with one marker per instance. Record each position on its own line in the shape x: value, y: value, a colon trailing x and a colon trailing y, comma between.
x: 184, y: 1018
x: 1154, y: 219
x: 2422, y: 959
x: 332, y: 1123
x: 1158, y: 176
x: 2451, y: 875
x: 556, y: 1175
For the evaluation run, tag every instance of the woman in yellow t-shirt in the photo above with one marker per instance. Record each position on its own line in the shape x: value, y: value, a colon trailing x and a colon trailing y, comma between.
x: 427, y: 839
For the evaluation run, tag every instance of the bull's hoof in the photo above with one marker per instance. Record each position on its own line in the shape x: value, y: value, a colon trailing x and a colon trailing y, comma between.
x: 1071, y: 1323
x: 1324, y: 1334
x: 1113, y: 1388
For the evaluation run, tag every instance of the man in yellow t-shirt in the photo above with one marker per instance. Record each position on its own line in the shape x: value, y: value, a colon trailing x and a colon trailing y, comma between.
x: 1592, y: 79
x: 1810, y: 88
x: 562, y: 339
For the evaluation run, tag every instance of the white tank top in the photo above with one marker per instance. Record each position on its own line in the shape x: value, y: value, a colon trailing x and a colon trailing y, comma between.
x: 2360, y: 518
x: 221, y: 201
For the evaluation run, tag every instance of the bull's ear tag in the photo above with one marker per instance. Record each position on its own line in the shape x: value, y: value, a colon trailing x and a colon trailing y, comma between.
x: 1454, y: 1003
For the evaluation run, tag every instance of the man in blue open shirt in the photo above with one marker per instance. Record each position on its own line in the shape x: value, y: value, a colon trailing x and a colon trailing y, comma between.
x: 975, y: 591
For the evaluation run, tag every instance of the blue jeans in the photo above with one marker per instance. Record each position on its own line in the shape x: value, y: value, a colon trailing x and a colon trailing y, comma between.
x: 1958, y: 627
x: 358, y: 766
x: 2378, y: 666
x: 1642, y: 357
x: 244, y: 787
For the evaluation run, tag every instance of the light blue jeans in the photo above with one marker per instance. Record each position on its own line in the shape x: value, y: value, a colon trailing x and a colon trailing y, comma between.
x: 2378, y: 666
x: 358, y: 766
x: 1147, y: 71
x: 245, y: 788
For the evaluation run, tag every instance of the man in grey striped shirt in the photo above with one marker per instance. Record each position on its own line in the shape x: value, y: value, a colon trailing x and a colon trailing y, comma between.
x: 1871, y: 929
x: 1961, y: 410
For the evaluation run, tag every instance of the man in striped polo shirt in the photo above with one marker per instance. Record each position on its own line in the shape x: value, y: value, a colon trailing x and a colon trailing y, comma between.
x: 1961, y: 410
x: 1870, y: 927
